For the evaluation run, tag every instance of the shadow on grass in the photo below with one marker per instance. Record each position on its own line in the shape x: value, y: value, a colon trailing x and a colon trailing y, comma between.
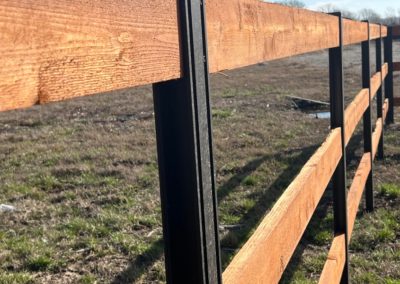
x: 140, y: 264
x: 250, y: 220
x: 317, y: 223
x: 235, y: 238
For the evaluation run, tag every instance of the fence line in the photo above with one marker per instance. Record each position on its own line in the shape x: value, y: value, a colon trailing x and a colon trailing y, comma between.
x: 52, y: 51
x: 58, y: 51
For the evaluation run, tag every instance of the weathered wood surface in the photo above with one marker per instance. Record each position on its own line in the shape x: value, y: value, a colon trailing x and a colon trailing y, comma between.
x: 245, y: 32
x: 265, y: 255
x: 334, y: 265
x: 375, y: 84
x: 354, y: 113
x: 356, y: 191
x: 55, y: 50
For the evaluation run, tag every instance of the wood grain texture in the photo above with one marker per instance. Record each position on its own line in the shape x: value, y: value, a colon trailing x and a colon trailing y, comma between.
x: 374, y: 31
x: 354, y: 113
x: 245, y: 32
x: 334, y: 265
x: 376, y: 81
x: 396, y: 66
x: 54, y: 50
x: 396, y: 101
x: 354, y: 32
x: 265, y: 255
x: 384, y: 31
x: 356, y: 191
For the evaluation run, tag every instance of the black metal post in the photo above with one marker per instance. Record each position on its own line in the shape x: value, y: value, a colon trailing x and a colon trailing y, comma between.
x: 389, y: 79
x: 337, y: 120
x: 185, y: 158
x: 379, y: 95
x: 367, y: 120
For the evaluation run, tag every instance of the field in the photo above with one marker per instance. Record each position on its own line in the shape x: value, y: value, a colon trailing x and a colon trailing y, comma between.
x: 83, y: 177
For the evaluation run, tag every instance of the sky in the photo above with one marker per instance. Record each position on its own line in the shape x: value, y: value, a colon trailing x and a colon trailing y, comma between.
x: 378, y: 6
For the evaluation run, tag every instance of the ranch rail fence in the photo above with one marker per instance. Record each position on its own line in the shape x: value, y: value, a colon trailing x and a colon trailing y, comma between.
x: 60, y: 49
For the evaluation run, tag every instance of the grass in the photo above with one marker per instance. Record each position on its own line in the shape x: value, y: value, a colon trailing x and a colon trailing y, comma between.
x: 83, y: 176
x: 390, y: 191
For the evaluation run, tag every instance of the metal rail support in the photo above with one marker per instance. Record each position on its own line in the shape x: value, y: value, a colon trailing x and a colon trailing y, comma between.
x: 185, y: 159
x: 379, y: 95
x: 337, y: 120
x: 389, y: 79
x: 367, y: 119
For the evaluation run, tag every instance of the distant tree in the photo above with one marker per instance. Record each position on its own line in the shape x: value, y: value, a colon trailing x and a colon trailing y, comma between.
x: 292, y: 3
x: 328, y: 8
x: 370, y: 15
x: 391, y: 17
x: 349, y: 15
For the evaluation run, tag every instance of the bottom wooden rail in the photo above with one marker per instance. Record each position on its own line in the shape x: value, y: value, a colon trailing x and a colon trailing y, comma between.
x: 265, y: 255
x: 356, y: 190
x: 333, y: 267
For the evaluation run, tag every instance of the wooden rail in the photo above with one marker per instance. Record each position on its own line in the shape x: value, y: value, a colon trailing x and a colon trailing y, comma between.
x: 52, y: 50
x: 333, y: 268
x: 265, y: 255
x: 334, y: 265
x: 56, y: 50
x: 357, y: 107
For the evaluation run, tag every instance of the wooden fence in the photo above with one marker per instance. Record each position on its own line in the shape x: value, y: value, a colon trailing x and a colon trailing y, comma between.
x: 60, y: 49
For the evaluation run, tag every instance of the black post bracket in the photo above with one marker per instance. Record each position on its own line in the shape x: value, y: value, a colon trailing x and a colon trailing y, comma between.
x: 339, y: 179
x: 389, y: 79
x: 367, y: 119
x: 185, y: 158
x: 379, y: 95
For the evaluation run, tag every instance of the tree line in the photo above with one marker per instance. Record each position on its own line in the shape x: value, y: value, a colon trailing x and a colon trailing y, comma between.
x: 391, y: 16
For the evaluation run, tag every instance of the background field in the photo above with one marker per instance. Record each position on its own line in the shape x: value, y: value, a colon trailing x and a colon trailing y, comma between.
x: 83, y: 176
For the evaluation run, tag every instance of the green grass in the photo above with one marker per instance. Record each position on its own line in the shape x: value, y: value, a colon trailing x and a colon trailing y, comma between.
x: 16, y: 278
x: 221, y: 113
x: 390, y: 190
x: 86, y: 187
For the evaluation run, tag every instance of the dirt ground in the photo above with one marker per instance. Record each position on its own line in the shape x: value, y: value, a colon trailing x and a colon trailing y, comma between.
x: 83, y: 177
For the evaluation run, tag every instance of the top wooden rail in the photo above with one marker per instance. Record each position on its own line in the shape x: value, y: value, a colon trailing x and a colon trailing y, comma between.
x: 59, y: 49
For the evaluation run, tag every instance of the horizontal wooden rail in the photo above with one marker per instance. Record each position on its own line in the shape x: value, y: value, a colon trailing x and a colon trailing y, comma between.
x: 376, y: 136
x: 336, y: 257
x: 385, y: 70
x: 354, y: 113
x: 55, y: 50
x: 357, y: 107
x: 333, y: 267
x: 356, y: 190
x: 265, y: 255
x: 375, y: 83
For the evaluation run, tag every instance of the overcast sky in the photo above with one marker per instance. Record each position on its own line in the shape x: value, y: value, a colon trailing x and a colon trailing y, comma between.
x: 378, y: 6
